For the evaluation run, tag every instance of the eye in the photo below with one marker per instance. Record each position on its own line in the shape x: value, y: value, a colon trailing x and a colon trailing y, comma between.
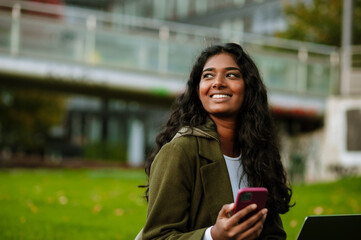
x: 207, y: 75
x: 233, y: 75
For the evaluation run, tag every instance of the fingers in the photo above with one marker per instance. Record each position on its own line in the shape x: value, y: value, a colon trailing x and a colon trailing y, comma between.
x: 236, y: 227
x: 237, y: 217
x: 226, y: 210
x: 256, y: 219
x: 221, y: 228
x: 253, y: 226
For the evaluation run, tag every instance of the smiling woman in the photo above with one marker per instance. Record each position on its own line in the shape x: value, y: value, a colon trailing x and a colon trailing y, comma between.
x: 221, y: 89
x: 219, y: 138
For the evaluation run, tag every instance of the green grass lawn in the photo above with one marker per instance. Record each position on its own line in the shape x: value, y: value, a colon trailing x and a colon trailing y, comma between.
x: 340, y: 197
x: 107, y: 204
x: 71, y: 204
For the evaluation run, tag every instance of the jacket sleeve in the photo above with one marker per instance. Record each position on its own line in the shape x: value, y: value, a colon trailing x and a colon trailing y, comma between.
x: 273, y: 228
x: 171, y: 184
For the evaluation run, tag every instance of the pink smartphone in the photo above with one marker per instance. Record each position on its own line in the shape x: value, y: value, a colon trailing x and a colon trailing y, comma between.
x: 247, y: 196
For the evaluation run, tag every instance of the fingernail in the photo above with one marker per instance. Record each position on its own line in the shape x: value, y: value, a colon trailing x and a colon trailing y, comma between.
x: 253, y: 206
x: 264, y: 211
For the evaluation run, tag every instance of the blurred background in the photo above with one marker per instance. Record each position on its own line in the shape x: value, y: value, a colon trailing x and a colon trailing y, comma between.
x: 85, y: 86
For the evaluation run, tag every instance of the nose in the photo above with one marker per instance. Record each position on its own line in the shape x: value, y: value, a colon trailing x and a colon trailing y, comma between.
x: 218, y: 82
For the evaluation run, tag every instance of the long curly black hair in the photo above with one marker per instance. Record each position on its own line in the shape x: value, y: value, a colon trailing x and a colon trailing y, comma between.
x: 256, y: 135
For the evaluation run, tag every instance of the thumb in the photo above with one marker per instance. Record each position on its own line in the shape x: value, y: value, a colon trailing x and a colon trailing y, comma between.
x: 226, y: 210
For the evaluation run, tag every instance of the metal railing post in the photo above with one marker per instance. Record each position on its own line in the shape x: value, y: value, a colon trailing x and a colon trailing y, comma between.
x: 91, y: 24
x: 15, y: 30
x: 334, y: 73
x: 346, y: 47
x: 302, y: 70
x: 163, y: 49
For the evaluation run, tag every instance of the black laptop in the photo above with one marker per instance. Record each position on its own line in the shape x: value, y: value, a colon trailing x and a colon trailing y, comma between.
x: 331, y: 227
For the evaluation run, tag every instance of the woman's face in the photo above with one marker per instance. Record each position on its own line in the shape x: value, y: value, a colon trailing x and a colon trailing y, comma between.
x: 221, y: 88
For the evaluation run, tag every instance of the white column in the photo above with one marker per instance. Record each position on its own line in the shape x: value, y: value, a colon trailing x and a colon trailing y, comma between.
x: 136, y: 146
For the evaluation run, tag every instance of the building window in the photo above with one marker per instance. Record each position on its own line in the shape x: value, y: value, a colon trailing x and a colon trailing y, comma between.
x: 239, y: 2
x: 170, y: 9
x: 159, y: 9
x: 95, y: 128
x: 130, y: 9
x: 353, y: 117
x: 182, y: 8
x: 201, y: 6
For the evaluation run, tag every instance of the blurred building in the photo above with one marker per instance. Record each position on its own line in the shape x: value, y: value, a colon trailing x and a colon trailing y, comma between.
x: 129, y: 58
x: 263, y: 17
x: 253, y: 16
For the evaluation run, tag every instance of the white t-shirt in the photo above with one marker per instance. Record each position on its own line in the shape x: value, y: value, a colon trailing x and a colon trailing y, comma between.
x: 235, y: 171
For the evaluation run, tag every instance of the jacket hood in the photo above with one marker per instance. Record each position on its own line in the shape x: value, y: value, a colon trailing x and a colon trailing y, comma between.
x: 207, y: 130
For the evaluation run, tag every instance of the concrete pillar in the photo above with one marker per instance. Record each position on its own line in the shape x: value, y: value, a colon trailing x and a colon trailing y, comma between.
x: 136, y: 146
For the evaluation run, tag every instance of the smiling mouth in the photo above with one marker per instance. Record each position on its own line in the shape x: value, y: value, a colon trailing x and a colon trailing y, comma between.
x: 221, y: 96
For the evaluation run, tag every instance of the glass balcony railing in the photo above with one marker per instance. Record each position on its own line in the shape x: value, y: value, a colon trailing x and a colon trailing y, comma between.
x: 166, y: 48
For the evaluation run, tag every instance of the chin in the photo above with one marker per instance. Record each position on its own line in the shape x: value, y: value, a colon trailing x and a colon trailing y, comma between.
x: 224, y: 115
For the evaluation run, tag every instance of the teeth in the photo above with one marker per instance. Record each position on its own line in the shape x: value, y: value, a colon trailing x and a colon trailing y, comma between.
x: 220, y: 96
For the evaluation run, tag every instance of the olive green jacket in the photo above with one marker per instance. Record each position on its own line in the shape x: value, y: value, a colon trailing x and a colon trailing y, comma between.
x: 189, y: 184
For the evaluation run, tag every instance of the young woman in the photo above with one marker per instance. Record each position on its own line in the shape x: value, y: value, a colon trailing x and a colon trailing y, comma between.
x: 219, y: 138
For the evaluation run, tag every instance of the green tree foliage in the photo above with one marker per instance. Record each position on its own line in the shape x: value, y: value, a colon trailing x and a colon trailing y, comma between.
x: 319, y: 21
x: 26, y: 118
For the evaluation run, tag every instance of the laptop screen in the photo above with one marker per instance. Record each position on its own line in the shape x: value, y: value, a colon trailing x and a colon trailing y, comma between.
x: 331, y: 227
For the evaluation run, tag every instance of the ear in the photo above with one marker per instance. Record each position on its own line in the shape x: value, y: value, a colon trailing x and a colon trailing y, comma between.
x: 198, y: 91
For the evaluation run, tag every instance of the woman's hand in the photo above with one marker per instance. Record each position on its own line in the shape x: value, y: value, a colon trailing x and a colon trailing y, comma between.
x: 233, y: 227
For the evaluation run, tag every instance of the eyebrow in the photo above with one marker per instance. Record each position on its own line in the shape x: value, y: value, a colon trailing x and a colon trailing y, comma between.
x: 227, y: 68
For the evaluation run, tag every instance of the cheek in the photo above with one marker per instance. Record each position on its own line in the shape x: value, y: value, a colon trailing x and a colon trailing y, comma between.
x: 202, y: 91
x: 240, y: 88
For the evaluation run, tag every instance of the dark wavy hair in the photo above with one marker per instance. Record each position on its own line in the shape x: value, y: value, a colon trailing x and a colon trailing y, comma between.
x: 256, y: 135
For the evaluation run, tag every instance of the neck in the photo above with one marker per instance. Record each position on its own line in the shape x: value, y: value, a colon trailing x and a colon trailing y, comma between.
x: 226, y: 130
